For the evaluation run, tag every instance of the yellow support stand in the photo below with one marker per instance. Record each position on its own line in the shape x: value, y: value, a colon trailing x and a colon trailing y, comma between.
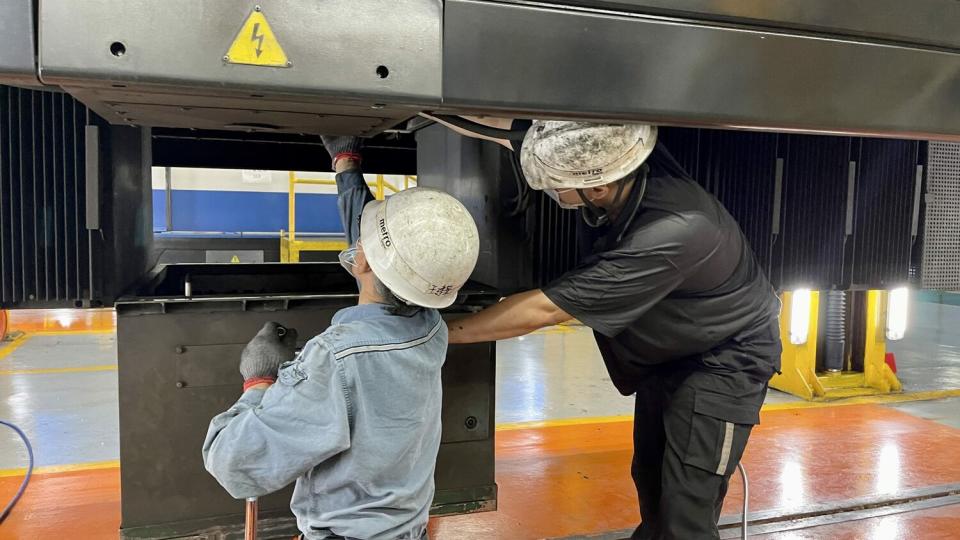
x: 799, y: 362
x: 876, y: 373
x: 291, y: 247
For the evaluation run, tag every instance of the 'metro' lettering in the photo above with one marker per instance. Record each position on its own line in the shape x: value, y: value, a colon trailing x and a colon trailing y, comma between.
x: 589, y: 172
x: 384, y: 234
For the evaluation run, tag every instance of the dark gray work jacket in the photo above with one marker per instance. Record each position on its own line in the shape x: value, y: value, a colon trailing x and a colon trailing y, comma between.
x: 673, y: 284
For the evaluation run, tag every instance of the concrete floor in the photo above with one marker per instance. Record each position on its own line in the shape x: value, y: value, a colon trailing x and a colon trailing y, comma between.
x: 555, y: 373
x: 563, y: 440
x: 62, y: 390
x: 928, y: 357
x: 558, y: 373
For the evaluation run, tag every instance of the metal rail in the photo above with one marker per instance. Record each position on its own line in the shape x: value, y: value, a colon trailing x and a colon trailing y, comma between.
x: 291, y: 247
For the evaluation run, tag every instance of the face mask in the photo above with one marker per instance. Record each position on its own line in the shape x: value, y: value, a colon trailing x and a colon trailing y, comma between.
x: 348, y: 259
x: 555, y: 195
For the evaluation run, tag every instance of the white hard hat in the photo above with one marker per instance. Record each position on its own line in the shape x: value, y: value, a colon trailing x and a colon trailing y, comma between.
x: 579, y: 155
x: 422, y: 244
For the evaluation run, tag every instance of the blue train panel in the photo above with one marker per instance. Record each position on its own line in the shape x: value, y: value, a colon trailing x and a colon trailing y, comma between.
x: 245, y: 211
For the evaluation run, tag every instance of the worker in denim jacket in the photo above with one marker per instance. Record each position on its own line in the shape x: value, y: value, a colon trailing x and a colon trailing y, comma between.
x: 354, y: 419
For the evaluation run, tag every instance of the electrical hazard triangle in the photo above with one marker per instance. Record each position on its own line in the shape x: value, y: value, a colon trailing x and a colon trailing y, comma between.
x: 256, y: 44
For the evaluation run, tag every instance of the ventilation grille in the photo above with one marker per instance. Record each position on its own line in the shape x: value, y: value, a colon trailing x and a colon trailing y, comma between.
x: 684, y: 145
x: 556, y: 247
x: 886, y: 180
x: 739, y: 168
x: 43, y: 244
x: 940, y: 266
x: 813, y: 211
x: 809, y: 235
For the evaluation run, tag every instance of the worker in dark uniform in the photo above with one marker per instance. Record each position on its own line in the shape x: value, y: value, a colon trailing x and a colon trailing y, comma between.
x: 684, y: 317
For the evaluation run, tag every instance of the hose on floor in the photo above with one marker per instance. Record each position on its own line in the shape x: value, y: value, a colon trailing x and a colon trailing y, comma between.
x: 746, y: 497
x: 26, y: 479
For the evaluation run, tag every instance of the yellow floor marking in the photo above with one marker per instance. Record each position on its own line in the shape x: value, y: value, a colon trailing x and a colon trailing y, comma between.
x: 860, y: 400
x: 47, y: 371
x: 564, y: 422
x: 69, y: 467
x: 71, y: 332
x: 553, y: 330
x: 20, y: 340
x: 879, y: 399
x: 14, y: 345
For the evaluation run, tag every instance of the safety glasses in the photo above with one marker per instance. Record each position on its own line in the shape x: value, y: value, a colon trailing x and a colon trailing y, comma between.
x: 348, y: 258
x: 555, y: 195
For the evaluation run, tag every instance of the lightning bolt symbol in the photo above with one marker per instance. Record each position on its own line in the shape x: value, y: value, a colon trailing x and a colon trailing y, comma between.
x: 258, y: 37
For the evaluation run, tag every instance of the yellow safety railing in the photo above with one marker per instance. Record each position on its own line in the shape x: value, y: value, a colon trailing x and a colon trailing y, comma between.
x: 291, y: 247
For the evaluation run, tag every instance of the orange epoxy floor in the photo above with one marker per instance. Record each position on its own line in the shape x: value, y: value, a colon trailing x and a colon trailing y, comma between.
x: 573, y: 479
x: 567, y: 480
x: 80, y: 505
x: 62, y: 320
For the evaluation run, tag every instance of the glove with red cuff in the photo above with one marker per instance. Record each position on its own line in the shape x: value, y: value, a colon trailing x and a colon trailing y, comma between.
x: 342, y: 148
x: 261, y: 358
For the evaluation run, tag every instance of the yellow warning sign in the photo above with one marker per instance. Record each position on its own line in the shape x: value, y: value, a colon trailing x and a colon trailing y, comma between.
x: 256, y: 44
x: 235, y: 259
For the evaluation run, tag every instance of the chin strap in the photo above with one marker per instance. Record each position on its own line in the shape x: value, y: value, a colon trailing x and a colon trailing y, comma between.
x: 638, y: 201
x: 595, y: 216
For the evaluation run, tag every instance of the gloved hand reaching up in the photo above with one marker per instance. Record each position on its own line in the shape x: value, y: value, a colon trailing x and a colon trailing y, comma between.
x: 261, y: 358
x: 342, y: 147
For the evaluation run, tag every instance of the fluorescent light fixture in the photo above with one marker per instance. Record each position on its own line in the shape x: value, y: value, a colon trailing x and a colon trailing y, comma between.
x: 897, y: 313
x: 799, y: 316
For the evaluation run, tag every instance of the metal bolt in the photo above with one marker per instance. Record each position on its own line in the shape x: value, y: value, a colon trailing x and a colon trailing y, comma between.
x: 180, y: 349
x: 376, y: 106
x: 289, y: 63
x: 256, y: 8
x: 471, y: 422
x: 181, y: 384
x: 226, y: 58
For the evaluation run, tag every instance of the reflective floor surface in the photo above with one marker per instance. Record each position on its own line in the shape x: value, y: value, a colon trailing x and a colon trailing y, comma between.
x: 563, y: 442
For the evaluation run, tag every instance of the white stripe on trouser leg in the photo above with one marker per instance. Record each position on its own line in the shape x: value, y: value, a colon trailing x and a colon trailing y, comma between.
x: 725, y: 451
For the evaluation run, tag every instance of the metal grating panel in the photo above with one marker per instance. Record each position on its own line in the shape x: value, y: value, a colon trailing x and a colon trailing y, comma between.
x: 885, y: 185
x: 739, y: 168
x: 940, y: 266
x: 559, y: 235
x: 684, y: 145
x: 814, y: 197
x: 43, y: 244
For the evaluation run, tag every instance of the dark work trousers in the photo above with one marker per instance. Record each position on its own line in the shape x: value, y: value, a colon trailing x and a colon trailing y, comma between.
x: 689, y: 431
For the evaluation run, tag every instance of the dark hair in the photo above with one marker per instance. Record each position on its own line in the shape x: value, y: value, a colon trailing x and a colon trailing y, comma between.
x: 395, y: 306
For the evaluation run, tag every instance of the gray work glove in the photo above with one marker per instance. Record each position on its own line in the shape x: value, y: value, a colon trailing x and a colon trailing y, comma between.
x: 342, y: 146
x: 272, y: 346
